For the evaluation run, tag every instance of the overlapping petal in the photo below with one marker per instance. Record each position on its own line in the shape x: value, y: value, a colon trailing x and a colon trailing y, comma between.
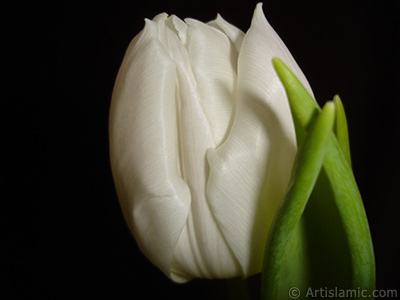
x: 249, y: 173
x: 205, y: 82
x: 234, y: 33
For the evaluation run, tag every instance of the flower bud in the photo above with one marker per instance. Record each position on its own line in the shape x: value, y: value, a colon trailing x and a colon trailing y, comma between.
x: 202, y: 143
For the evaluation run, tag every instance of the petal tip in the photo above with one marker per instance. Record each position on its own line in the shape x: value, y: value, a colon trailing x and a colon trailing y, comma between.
x: 221, y: 21
x: 259, y: 10
x: 161, y: 17
x: 259, y: 15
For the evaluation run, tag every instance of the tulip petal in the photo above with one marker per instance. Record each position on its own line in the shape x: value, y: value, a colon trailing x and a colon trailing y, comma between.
x: 234, y: 33
x: 144, y: 155
x: 206, y: 82
x: 256, y: 159
x: 178, y: 26
x: 201, y: 250
x: 214, y: 63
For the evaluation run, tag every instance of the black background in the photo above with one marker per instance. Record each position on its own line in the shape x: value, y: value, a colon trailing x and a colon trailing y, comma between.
x: 68, y: 236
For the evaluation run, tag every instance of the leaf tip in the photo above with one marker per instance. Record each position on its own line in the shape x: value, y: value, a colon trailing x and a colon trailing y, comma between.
x: 337, y: 100
x: 278, y: 63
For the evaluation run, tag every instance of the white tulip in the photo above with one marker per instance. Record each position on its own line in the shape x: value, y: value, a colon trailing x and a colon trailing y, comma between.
x: 202, y: 143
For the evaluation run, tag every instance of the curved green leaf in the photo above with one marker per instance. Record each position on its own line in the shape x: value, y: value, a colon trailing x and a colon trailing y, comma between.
x: 305, y: 172
x: 332, y: 238
x: 340, y: 128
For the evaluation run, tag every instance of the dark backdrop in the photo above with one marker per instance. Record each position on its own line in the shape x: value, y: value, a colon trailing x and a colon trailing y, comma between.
x: 68, y: 234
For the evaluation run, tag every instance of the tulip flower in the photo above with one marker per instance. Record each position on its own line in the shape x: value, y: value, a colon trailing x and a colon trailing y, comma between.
x: 200, y: 131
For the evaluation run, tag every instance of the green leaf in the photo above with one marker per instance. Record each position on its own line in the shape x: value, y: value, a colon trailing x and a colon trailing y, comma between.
x: 340, y: 128
x: 305, y: 172
x: 330, y: 246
